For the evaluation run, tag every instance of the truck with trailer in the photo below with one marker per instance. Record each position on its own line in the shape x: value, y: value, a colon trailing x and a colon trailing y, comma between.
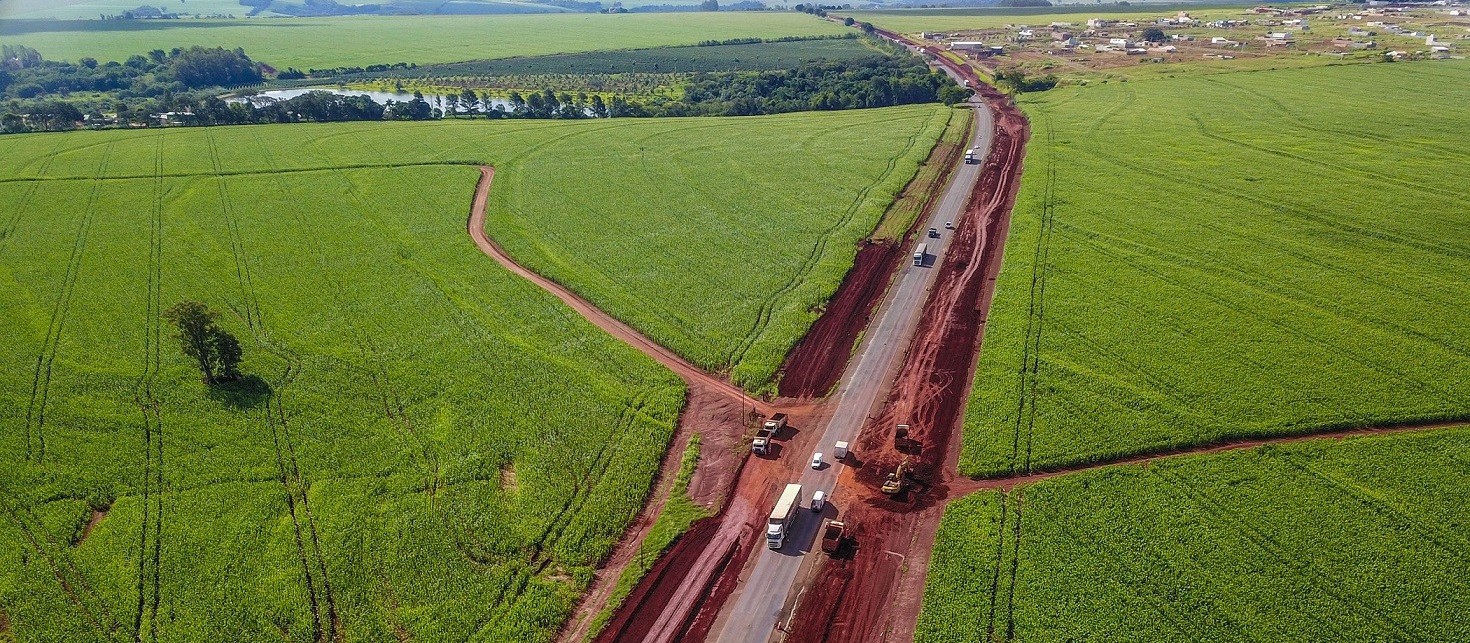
x: 783, y: 515
x: 920, y: 253
x: 762, y: 443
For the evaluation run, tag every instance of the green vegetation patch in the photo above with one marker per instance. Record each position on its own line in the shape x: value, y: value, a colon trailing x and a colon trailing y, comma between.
x: 756, y: 56
x: 421, y: 443
x: 1360, y: 539
x: 1200, y: 259
x: 325, y: 43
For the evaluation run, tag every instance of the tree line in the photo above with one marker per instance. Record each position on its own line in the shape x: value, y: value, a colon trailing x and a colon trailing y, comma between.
x: 182, y: 87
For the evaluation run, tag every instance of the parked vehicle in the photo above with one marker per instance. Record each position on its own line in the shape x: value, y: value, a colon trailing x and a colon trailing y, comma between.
x: 762, y: 443
x: 833, y: 536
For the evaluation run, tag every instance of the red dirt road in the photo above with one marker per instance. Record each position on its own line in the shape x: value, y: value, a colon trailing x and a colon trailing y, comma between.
x: 875, y: 594
x: 817, y: 361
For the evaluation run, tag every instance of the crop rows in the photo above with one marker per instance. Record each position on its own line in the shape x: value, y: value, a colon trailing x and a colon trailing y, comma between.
x: 427, y: 446
x: 1330, y: 541
x: 1220, y: 268
x: 326, y: 43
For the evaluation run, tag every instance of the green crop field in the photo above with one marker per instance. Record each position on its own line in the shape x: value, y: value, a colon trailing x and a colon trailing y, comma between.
x: 913, y: 21
x: 1192, y: 260
x: 741, y: 57
x: 335, y: 42
x: 431, y: 447
x: 1355, y: 540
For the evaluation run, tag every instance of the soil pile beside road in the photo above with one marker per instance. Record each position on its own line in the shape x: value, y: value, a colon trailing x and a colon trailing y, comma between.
x: 816, y: 363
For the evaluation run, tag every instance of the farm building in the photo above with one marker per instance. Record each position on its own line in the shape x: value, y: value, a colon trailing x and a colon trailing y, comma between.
x: 967, y: 45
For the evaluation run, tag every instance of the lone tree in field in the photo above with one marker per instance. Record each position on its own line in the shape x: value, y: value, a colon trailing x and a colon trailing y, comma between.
x: 216, y: 352
x: 1154, y: 34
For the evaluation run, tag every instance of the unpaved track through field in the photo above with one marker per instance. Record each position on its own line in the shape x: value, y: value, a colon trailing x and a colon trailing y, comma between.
x: 690, y: 373
x: 714, y: 408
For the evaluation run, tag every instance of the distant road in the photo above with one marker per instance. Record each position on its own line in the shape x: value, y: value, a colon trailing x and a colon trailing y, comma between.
x: 757, y: 607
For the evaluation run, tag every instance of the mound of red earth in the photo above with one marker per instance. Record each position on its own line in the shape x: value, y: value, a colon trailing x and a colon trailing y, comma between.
x: 816, y: 362
x: 874, y: 595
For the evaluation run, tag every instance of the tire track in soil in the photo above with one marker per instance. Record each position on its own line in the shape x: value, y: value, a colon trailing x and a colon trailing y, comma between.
x: 295, y: 486
x: 152, y: 422
x: 815, y: 363
x: 819, y: 249
x: 41, y: 381
x: 25, y: 202
x: 73, y: 582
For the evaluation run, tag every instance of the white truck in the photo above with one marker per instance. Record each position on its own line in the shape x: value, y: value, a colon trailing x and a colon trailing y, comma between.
x: 782, y: 516
x: 768, y: 431
x: 920, y: 254
x: 970, y: 156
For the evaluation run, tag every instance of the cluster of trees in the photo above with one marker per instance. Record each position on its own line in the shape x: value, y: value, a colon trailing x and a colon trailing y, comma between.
x: 877, y: 81
x: 24, y: 74
x: 1017, y: 81
x: 39, y: 93
x: 214, y: 351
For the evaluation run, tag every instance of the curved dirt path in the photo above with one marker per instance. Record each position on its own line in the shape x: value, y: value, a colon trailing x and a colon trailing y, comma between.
x: 690, y: 373
x: 713, y: 408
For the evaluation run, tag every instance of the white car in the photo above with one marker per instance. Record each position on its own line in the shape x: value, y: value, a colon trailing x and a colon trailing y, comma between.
x: 817, y: 460
x: 819, y: 500
x: 948, y: 225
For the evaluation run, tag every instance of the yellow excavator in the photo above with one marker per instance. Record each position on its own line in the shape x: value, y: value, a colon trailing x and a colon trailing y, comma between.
x: 898, y: 479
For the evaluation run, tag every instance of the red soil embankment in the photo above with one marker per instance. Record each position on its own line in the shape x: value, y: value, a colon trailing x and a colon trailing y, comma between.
x: 875, y: 594
x: 817, y: 361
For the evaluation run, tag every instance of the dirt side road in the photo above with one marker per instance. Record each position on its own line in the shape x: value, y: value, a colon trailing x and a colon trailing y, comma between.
x: 717, y: 410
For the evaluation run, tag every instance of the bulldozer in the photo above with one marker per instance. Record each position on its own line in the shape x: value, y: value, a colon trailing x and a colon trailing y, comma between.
x: 897, y: 480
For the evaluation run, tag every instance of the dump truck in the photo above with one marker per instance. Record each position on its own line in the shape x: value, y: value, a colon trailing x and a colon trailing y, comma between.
x: 897, y: 480
x: 782, y: 516
x: 832, y: 536
x: 767, y: 432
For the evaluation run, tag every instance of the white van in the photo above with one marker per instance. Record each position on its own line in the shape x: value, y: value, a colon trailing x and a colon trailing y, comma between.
x: 819, y: 500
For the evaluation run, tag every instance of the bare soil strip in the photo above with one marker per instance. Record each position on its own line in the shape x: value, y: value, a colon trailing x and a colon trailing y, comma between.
x: 817, y: 361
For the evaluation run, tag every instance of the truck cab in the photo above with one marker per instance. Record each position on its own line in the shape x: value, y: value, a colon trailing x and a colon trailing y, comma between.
x: 762, y: 443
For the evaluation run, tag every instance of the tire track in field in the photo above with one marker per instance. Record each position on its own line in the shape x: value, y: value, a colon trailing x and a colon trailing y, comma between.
x: 819, y: 249
x: 1304, y: 298
x: 1285, y: 328
x: 25, y: 202
x: 250, y: 306
x: 1345, y: 169
x: 1303, y: 123
x: 73, y: 582
x: 1026, y: 385
x: 41, y: 380
x: 295, y: 486
x: 1210, y: 191
x: 381, y: 378
x: 1000, y: 554
x: 145, y: 398
x: 1325, y: 582
x: 1015, y: 567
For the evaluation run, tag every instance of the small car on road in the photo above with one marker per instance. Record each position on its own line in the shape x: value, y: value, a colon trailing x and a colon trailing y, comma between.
x: 819, y: 500
x: 817, y: 460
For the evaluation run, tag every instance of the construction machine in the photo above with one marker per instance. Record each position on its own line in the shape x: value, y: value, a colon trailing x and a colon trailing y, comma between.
x: 897, y: 480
